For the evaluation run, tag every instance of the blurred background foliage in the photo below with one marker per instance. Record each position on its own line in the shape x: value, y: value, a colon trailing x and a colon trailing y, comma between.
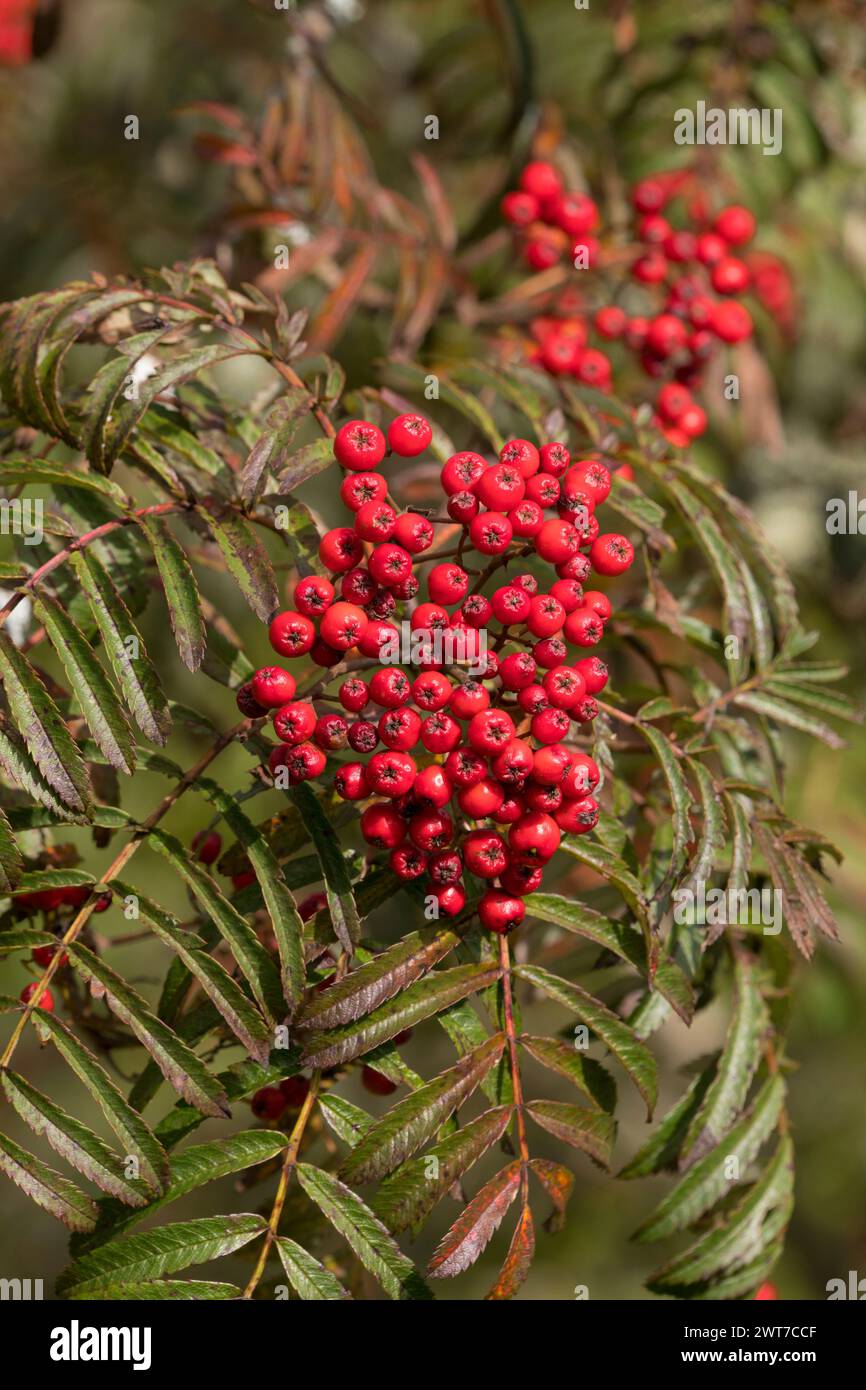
x: 502, y: 77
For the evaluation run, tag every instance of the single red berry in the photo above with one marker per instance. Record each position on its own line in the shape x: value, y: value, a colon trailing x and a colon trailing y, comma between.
x: 363, y: 737
x: 526, y: 518
x: 268, y: 1103
x: 484, y: 799
x: 303, y: 762
x: 440, y: 733
x: 766, y: 1292
x: 383, y: 826
x: 375, y: 521
x: 584, y: 627
x: 445, y: 866
x: 351, y: 782
x: 527, y: 582
x: 541, y: 179
x: 447, y: 583
x: 541, y: 798
x: 463, y: 506
x: 650, y: 194
x: 490, y: 533
x: 464, y: 767
x: 400, y: 729
x: 520, y: 208
x: 408, y: 862
x: 294, y: 722
x: 359, y: 445
x: 666, y: 335
x: 406, y: 589
x: 207, y: 846
x: 415, y: 533
x: 557, y: 541
x: 543, y: 489
x: 736, y: 225
x: 409, y: 435
x: 468, y: 699
x: 594, y: 672
x: 582, y: 777
x: 514, y: 763
x: 611, y: 554
x: 549, y: 725
x: 568, y: 592
x: 485, y: 853
x: 392, y: 773
x: 610, y: 321
x: 451, y: 898
x: 477, y: 610
x: 532, y: 699
x: 519, y: 454
x: 358, y: 488
x: 575, y: 213
x: 565, y: 686
x: 651, y: 268
x: 549, y: 652
x: 521, y: 879
x: 44, y: 955
x: 354, y: 694
x: 431, y: 691
x: 500, y: 912
x: 461, y: 472
x: 390, y: 687
x: 730, y: 276
x: 536, y: 836
x: 331, y: 732
x: 489, y: 731
x: 291, y: 634
x: 599, y: 603
x: 295, y: 1090
x: 247, y: 703
x: 546, y: 613
x: 693, y: 422
x: 517, y: 670
x: 577, y: 567
x: 432, y: 787
x: 731, y: 322
x: 431, y: 830
x: 313, y: 595
x: 501, y: 487
x: 577, y: 817
x: 45, y: 1000
x: 510, y: 604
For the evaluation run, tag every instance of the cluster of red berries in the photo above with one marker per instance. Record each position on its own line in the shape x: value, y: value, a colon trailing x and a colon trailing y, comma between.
x: 691, y: 276
x: 495, y: 746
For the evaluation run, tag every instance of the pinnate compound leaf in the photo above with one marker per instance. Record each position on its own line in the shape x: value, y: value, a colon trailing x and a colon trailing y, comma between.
x: 73, y: 1140
x: 364, y: 1232
x: 411, y: 1122
x: 629, y: 1051
x: 246, y: 560
x: 180, y: 1066
x: 47, y: 1188
x: 708, y: 1180
x: 44, y: 731
x: 377, y: 980
x: 224, y: 993
x: 407, y: 1197
x: 127, y: 1124
x: 309, y: 1279
x: 432, y: 994
x: 583, y: 1072
x: 161, y: 1251
x: 476, y: 1225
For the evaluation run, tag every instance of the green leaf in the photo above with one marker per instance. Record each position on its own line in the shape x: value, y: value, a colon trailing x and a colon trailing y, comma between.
x: 708, y: 1179
x: 90, y: 685
x: 11, y: 863
x: 476, y: 1225
x: 246, y: 560
x: 138, y: 679
x: 662, y: 1150
x: 224, y: 993
x: 309, y: 1279
x: 256, y: 964
x: 181, y: 592
x: 737, y: 1066
x: 341, y: 903
x: 161, y: 1251
x: 104, y: 390
x: 190, y: 1170
x: 629, y: 1051
x: 782, y: 712
x: 378, y: 979
x: 349, y: 1122
x: 583, y: 1072
x: 158, y: 1290
x: 428, y: 996
x: 23, y: 772
x: 24, y: 939
x: 712, y: 834
x: 127, y: 1124
x: 411, y: 1122
x: 23, y: 469
x: 305, y: 463
x: 408, y: 1196
x: 44, y: 730
x: 364, y: 1232
x: 589, y: 1130
x: 81, y: 1148
x: 180, y: 1066
x: 287, y: 925
x: 755, y: 1223
x: 681, y: 798
x: 47, y: 1188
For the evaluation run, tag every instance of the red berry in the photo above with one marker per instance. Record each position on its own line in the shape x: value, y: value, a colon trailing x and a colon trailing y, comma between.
x: 549, y: 726
x: 431, y: 830
x: 582, y: 777
x: 431, y: 691
x: 731, y: 322
x: 45, y: 1000
x: 291, y: 634
x: 340, y: 549
x: 461, y: 472
x: 541, y: 798
x: 521, y: 879
x: 451, y: 898
x: 520, y: 208
x: 736, y: 225
x: 517, y: 670
x: 294, y: 722
x: 500, y: 487
x: 464, y: 767
x: 363, y: 737
x: 584, y: 627
x: 575, y: 213
x: 247, y: 703
x: 463, y: 506
x: 295, y: 1090
x: 343, y: 626
x: 392, y: 773
x: 390, y: 687
x: 268, y: 1103
x: 354, y: 694
x: 440, y: 733
x: 331, y: 732
x: 526, y: 518
x: 594, y: 672
x: 546, y: 613
x: 535, y: 836
x: 351, y: 782
x: 407, y: 862
x: 520, y: 454
x: 489, y: 731
x: 611, y: 554
x: 484, y: 853
x: 302, y: 761
x: 564, y: 686
x: 207, y: 846
x: 490, y: 533
x: 541, y: 179
x: 730, y: 276
x: 484, y: 799
x: 359, y: 445
x: 533, y: 699
x: 651, y: 268
x: 767, y: 1291
x: 500, y: 912
x: 445, y: 866
x: 383, y: 826
x: 415, y: 533
x: 432, y: 786
x: 375, y: 521
x: 409, y: 435
x: 610, y: 322
x: 666, y: 335
x: 551, y: 651
x: 309, y: 906
x: 557, y: 541
x: 447, y: 583
x: 358, y: 488
x: 44, y: 955
x: 553, y: 459
x: 514, y: 763
x: 400, y: 729
x: 577, y: 817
